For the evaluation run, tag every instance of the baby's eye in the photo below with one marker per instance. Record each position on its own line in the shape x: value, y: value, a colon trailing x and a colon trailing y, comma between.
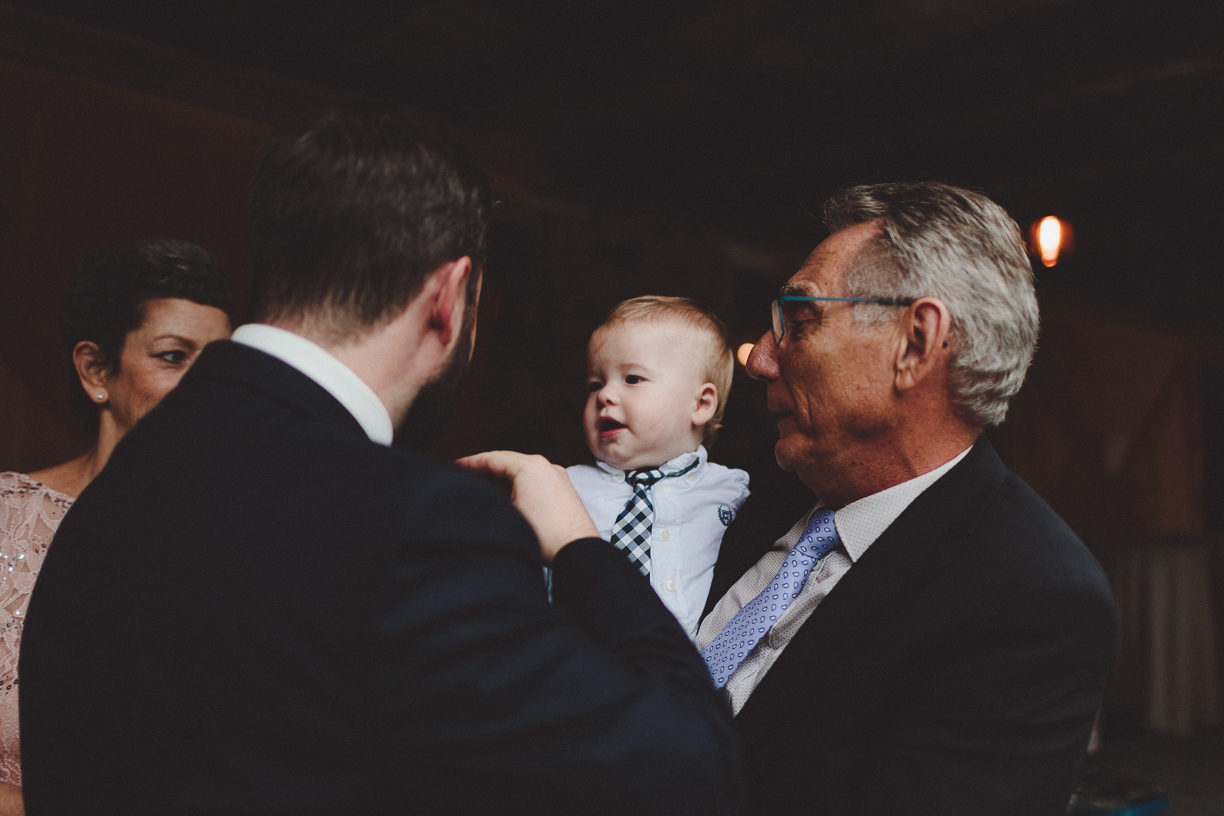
x: 633, y: 379
x: 594, y: 385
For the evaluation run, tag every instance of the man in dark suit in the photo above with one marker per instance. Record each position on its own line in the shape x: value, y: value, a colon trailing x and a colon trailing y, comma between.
x: 260, y: 607
x: 930, y: 638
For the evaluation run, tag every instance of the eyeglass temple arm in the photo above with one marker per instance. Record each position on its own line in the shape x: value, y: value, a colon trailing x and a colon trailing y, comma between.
x: 882, y: 301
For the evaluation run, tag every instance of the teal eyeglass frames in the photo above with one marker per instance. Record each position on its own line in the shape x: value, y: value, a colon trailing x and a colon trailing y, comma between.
x: 779, y: 319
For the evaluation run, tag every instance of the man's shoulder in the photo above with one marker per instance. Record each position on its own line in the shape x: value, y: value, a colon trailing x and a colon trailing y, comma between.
x: 1009, y: 551
x: 1033, y: 539
x: 439, y: 501
x: 245, y: 448
x: 415, y: 498
x: 981, y: 521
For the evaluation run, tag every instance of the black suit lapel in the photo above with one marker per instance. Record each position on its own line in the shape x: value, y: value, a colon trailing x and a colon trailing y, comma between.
x: 749, y: 537
x: 919, y: 544
x: 261, y: 372
x: 766, y: 516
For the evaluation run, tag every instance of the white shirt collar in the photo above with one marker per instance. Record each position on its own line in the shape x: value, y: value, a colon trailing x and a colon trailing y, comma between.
x: 861, y: 522
x: 670, y: 466
x: 321, y: 366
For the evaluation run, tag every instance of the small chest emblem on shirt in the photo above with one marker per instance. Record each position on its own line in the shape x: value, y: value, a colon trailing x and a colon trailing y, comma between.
x: 725, y: 515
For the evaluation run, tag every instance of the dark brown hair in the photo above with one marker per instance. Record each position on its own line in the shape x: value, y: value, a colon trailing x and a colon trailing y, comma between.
x: 352, y: 208
x: 106, y: 300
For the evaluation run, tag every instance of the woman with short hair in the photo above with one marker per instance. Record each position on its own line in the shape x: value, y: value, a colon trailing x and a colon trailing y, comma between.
x: 135, y: 317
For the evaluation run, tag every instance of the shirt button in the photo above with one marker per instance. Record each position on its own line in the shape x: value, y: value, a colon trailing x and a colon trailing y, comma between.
x: 671, y: 586
x: 666, y: 536
x: 692, y: 477
x: 660, y: 489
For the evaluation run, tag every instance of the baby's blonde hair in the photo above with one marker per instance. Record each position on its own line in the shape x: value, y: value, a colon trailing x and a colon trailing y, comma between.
x: 718, y: 359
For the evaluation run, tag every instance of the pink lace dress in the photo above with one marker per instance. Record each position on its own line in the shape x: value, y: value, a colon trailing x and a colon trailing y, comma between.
x: 29, y: 514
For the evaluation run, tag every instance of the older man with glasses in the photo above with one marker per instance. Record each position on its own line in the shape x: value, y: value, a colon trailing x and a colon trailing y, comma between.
x: 930, y: 638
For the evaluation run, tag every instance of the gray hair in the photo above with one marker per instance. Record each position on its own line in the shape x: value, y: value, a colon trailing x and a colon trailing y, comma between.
x: 936, y: 240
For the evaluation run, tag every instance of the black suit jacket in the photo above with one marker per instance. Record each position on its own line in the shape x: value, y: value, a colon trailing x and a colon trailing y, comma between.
x: 955, y: 669
x: 255, y: 609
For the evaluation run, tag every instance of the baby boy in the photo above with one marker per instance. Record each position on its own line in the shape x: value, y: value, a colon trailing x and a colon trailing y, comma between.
x: 658, y: 371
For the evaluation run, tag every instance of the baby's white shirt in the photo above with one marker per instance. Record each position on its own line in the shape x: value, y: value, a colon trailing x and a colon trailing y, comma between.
x: 691, y: 514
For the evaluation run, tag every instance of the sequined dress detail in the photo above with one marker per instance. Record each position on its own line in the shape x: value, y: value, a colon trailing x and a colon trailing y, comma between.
x: 30, y: 512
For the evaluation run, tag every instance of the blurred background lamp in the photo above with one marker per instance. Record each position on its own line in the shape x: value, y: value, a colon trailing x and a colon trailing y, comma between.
x: 742, y: 353
x: 1050, y: 234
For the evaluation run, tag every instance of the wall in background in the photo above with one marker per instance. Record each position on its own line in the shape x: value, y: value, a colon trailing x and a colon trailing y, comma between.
x: 84, y: 164
x: 1108, y: 428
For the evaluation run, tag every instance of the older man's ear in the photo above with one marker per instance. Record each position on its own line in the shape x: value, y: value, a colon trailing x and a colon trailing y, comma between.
x: 924, y: 347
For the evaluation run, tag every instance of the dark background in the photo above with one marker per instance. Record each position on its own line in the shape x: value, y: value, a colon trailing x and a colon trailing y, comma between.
x: 737, y: 118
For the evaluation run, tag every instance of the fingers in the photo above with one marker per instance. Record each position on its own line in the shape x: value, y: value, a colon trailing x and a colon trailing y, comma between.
x: 542, y: 493
x: 502, y: 464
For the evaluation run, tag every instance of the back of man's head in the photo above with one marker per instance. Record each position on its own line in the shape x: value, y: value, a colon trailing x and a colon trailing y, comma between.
x: 351, y: 209
x: 936, y: 240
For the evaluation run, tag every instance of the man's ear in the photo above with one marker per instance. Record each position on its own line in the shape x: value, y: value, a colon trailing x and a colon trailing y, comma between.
x: 92, y: 369
x: 707, y: 404
x: 925, y: 342
x: 447, y: 299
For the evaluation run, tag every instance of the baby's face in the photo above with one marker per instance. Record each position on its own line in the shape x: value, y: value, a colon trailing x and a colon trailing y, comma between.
x: 645, y: 385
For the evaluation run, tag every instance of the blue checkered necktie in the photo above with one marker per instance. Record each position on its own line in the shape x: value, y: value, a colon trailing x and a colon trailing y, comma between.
x: 730, y: 646
x: 631, y: 530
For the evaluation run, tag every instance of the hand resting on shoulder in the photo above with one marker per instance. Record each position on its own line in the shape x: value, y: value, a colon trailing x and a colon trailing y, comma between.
x: 542, y: 493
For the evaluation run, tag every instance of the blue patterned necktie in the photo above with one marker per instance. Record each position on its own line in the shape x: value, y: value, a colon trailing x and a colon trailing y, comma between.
x: 631, y: 530
x: 730, y: 646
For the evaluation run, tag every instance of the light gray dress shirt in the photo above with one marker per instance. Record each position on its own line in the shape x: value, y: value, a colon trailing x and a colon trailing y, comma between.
x: 859, y: 524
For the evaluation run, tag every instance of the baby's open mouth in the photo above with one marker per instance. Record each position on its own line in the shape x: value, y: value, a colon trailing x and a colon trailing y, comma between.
x: 607, y: 427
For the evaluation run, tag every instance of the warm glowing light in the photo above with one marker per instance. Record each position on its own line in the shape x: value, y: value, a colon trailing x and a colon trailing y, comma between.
x: 743, y: 352
x: 1049, y: 239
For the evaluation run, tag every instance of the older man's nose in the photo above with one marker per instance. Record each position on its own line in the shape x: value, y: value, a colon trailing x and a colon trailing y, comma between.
x: 763, y: 361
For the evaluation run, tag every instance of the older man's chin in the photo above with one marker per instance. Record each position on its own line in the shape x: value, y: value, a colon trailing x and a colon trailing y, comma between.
x: 796, y: 452
x: 788, y: 458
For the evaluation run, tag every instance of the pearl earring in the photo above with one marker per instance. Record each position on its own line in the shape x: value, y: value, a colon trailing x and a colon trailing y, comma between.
x: 101, y: 397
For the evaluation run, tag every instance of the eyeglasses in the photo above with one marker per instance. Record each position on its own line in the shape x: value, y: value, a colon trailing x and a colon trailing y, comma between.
x: 779, y: 319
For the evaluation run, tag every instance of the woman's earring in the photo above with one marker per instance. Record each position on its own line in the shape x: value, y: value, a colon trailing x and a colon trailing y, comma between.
x: 101, y: 395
